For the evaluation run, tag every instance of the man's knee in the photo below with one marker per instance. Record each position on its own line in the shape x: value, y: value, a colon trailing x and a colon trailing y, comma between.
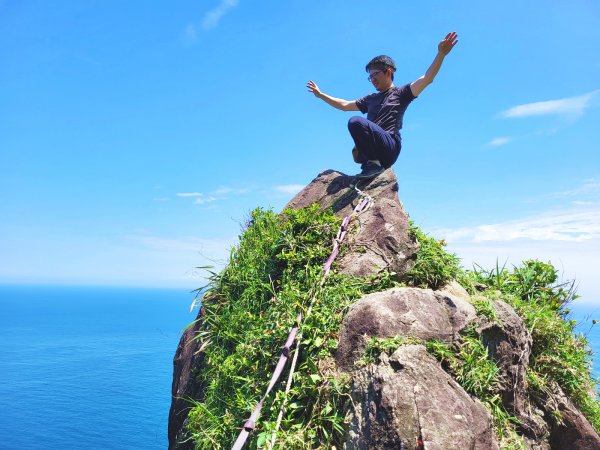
x: 355, y: 122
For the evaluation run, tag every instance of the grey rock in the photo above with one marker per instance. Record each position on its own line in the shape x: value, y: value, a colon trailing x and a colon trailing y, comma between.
x: 408, y: 397
x: 573, y: 431
x: 509, y: 344
x: 420, y: 313
x: 378, y: 238
x: 186, y: 363
x: 455, y: 291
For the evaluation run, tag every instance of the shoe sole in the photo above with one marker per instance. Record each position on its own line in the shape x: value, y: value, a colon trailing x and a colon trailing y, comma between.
x: 366, y: 177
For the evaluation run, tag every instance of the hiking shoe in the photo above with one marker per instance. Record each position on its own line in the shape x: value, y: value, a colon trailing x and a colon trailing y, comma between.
x: 370, y: 170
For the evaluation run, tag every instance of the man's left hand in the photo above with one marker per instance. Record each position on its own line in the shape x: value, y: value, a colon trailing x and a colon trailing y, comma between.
x: 448, y: 43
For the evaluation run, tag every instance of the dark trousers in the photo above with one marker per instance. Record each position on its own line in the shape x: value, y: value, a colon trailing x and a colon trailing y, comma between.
x: 373, y: 142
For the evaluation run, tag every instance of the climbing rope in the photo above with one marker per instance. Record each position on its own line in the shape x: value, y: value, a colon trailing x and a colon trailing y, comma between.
x: 250, y: 424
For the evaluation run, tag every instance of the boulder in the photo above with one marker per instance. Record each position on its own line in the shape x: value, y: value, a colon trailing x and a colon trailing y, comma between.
x: 409, y: 402
x: 414, y: 312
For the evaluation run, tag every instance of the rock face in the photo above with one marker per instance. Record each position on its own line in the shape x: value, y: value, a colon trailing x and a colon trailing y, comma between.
x: 413, y: 312
x: 380, y: 239
x: 188, y: 359
x: 574, y: 431
x: 407, y: 400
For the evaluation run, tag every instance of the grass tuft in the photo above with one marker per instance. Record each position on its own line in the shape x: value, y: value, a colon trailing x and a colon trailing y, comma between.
x: 434, y: 267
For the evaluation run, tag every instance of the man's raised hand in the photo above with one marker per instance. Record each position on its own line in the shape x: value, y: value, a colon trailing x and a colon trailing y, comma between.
x: 312, y: 87
x: 448, y: 43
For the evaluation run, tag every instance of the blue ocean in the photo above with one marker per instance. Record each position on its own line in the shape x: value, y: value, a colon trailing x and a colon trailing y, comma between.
x: 87, y: 368
x: 91, y: 368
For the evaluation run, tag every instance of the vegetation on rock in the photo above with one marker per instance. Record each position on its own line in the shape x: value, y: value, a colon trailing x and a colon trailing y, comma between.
x: 248, y: 311
x: 276, y: 271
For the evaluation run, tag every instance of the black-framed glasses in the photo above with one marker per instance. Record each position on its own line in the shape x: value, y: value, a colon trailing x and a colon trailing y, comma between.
x: 373, y: 75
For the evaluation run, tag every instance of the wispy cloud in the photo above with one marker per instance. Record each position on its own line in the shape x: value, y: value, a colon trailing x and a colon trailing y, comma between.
x: 289, y: 188
x: 211, y: 18
x: 575, y: 225
x: 190, y: 34
x: 224, y: 190
x: 199, y: 197
x: 569, y: 239
x: 589, y: 188
x: 221, y: 193
x: 497, y: 142
x: 203, y: 200
x: 570, y: 106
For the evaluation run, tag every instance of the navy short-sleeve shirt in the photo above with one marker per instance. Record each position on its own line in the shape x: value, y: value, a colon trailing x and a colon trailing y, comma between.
x: 386, y: 109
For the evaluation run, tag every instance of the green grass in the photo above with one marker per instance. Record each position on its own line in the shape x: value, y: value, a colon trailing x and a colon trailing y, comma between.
x: 559, y: 354
x: 250, y: 307
x: 434, y: 267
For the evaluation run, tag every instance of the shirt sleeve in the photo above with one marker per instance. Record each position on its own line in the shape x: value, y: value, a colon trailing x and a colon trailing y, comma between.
x: 362, y: 104
x: 406, y: 95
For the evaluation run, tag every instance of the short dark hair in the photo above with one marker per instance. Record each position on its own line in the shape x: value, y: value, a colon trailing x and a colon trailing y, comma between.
x: 381, y: 62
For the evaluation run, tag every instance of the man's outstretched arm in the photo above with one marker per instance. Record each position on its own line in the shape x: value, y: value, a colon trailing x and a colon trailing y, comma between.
x: 444, y: 48
x: 338, y: 103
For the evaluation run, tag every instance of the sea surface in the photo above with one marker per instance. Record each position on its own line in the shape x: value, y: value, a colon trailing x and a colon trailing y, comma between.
x: 90, y: 368
x: 87, y: 368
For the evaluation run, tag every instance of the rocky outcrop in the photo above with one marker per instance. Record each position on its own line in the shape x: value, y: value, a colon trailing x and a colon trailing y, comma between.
x: 407, y: 400
x: 379, y: 238
x: 509, y: 344
x: 188, y: 360
x: 410, y: 312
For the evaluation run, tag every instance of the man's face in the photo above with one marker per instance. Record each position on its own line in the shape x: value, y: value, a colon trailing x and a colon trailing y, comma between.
x: 380, y: 78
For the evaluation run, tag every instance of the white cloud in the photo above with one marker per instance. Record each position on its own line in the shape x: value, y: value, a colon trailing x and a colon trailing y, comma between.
x: 221, y: 193
x: 496, y: 142
x: 575, y: 225
x: 570, y: 106
x: 223, y: 190
x: 588, y: 188
x: 569, y: 239
x: 289, y: 188
x: 203, y: 200
x: 211, y: 18
x: 200, y: 197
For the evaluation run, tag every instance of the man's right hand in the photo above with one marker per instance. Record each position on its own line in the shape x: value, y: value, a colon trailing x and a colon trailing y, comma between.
x: 312, y: 87
x: 338, y: 103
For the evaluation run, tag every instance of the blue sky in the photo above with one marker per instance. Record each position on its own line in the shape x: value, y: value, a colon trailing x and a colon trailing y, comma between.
x: 135, y: 137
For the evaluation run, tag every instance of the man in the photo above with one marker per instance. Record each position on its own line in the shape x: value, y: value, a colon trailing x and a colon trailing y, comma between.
x: 377, y: 138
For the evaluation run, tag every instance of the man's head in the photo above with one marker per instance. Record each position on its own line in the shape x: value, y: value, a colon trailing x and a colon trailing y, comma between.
x: 381, y: 72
